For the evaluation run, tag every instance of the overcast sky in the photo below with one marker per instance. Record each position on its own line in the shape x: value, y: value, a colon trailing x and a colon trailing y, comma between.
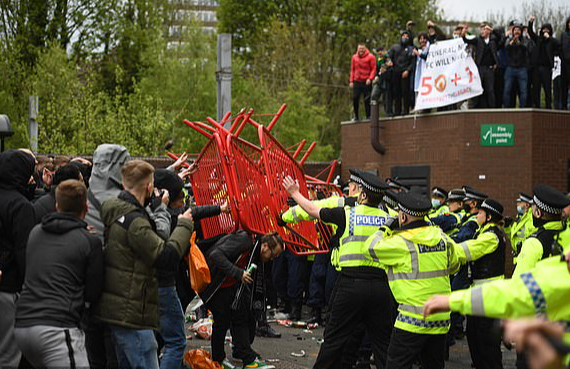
x: 478, y: 10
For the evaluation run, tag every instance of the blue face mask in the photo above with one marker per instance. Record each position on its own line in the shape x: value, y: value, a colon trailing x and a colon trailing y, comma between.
x: 520, y: 210
x: 435, y: 203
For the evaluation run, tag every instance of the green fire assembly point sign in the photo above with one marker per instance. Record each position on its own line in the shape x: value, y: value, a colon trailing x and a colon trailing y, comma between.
x: 497, y: 134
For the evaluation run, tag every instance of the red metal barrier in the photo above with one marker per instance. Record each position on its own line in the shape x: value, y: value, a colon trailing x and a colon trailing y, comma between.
x: 249, y: 185
x: 278, y: 163
x: 250, y: 177
x: 211, y: 185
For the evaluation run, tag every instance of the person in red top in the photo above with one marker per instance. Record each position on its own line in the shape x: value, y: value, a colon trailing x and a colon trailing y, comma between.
x: 362, y: 71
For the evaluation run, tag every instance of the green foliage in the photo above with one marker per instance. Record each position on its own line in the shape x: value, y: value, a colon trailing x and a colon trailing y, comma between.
x: 104, y: 72
x: 75, y: 118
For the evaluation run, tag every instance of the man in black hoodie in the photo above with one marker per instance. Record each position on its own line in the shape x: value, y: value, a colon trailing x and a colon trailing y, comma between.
x: 64, y: 276
x: 403, y: 61
x: 517, y: 49
x: 565, y: 58
x: 16, y: 221
x: 542, y: 62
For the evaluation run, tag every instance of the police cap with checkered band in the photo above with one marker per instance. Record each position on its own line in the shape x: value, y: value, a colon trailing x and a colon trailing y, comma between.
x: 549, y: 199
x: 493, y: 207
x: 414, y: 204
x: 371, y: 182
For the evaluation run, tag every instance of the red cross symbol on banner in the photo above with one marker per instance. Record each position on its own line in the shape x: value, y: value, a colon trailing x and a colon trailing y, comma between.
x: 456, y: 79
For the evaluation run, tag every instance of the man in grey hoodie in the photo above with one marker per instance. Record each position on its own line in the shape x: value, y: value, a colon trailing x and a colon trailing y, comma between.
x: 105, y: 183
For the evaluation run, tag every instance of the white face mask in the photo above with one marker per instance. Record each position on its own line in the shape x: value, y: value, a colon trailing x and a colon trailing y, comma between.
x: 435, y: 203
x: 520, y: 210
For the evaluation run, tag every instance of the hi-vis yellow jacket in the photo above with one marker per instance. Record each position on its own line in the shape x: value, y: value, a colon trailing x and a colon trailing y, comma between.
x: 418, y: 262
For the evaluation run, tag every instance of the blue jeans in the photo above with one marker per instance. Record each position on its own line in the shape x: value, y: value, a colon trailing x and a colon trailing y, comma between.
x: 520, y: 74
x: 135, y: 349
x: 171, y: 328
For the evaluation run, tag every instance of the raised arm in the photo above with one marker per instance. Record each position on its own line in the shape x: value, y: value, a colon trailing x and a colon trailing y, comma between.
x: 292, y: 186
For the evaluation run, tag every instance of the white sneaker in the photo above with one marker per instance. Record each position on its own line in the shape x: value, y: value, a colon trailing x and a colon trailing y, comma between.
x: 226, y: 364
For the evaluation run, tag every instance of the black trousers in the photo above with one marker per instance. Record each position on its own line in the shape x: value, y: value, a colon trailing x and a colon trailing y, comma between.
x: 529, y: 88
x: 487, y: 99
x: 99, y: 344
x: 484, y: 343
x: 542, y: 80
x: 405, y: 347
x: 400, y: 93
x: 358, y: 89
x: 499, y: 86
x: 356, y: 301
x: 357, y: 348
x: 240, y: 322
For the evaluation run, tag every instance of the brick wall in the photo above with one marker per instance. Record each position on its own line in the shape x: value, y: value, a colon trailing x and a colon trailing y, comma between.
x: 450, y: 144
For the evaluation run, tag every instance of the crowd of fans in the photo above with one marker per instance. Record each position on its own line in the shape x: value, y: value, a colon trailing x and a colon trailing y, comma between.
x: 516, y: 62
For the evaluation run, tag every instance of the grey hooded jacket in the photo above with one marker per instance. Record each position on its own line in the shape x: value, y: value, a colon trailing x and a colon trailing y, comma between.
x: 105, y: 182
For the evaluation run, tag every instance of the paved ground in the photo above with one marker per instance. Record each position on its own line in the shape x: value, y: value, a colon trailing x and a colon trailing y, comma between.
x: 295, y: 340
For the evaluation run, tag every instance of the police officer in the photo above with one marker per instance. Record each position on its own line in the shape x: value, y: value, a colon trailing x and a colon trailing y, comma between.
x: 361, y: 292
x: 467, y: 230
x: 542, y: 291
x: 418, y: 258
x: 438, y: 202
x: 471, y: 203
x: 486, y: 257
x: 548, y: 204
x: 522, y: 227
x: 323, y: 274
x: 451, y: 221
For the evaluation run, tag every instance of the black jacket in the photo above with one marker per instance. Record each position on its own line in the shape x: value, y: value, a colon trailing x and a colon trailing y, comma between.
x: 65, y: 271
x: 44, y: 205
x: 518, y: 52
x: 167, y: 276
x: 402, y: 56
x: 222, y: 259
x: 16, y: 217
x: 544, y: 49
x: 479, y: 43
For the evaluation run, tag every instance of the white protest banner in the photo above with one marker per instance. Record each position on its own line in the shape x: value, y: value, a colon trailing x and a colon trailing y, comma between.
x: 449, y: 76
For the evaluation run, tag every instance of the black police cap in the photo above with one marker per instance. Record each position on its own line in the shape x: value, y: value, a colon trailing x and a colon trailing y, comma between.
x: 457, y: 194
x: 394, y: 183
x: 414, y: 204
x: 439, y: 191
x: 492, y: 206
x: 473, y: 194
x: 549, y: 199
x: 354, y: 175
x: 391, y: 198
x: 372, y: 183
x: 523, y: 197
